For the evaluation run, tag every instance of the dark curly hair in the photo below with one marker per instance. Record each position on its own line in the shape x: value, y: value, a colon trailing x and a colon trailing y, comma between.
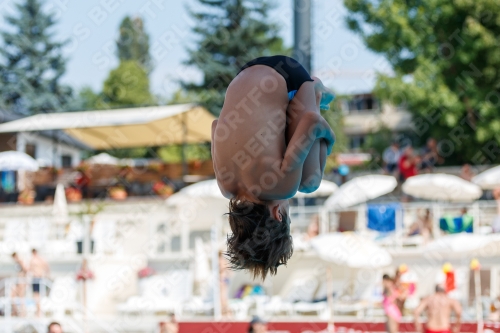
x: 258, y: 243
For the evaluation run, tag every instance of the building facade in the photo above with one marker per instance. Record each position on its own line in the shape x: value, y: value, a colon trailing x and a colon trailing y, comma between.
x: 49, y: 148
x: 364, y: 115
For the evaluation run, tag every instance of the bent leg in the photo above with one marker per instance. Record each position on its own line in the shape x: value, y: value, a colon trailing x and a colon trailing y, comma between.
x: 306, y: 100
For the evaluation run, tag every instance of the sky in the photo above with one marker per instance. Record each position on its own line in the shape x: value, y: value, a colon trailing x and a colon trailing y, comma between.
x: 339, y: 56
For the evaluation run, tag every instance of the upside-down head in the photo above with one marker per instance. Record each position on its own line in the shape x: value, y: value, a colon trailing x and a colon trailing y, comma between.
x: 260, y: 239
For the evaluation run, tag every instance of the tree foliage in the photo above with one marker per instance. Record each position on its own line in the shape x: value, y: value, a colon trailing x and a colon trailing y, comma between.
x: 446, y: 62
x: 335, y: 118
x: 127, y: 86
x: 230, y: 33
x: 133, y: 43
x: 32, y: 63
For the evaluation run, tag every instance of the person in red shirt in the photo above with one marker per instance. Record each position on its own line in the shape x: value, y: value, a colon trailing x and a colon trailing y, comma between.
x: 83, y: 182
x: 408, y: 164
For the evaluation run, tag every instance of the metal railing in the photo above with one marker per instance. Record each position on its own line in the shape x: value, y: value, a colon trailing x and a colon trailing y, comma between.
x: 482, y: 212
x: 77, y: 321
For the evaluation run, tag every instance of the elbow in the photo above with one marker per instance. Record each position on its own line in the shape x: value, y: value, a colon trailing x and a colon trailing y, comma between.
x: 308, y: 188
x: 310, y: 184
x: 312, y: 118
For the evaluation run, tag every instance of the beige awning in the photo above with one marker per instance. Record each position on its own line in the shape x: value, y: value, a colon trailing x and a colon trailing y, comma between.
x: 125, y: 128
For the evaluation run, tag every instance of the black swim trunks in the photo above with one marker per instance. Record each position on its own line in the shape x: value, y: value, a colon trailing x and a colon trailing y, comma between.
x: 36, y: 285
x: 291, y: 70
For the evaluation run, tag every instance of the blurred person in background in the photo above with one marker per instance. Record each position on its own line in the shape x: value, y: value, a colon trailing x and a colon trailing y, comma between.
x: 39, y: 270
x: 439, y: 308
x: 19, y: 289
x: 408, y: 164
x: 391, y: 309
x: 54, y: 327
x: 430, y: 156
x: 258, y: 325
x: 495, y: 310
x: 390, y: 157
x: 422, y: 226
x: 84, y: 273
x: 466, y: 172
x: 312, y: 228
x: 170, y: 326
x: 400, y: 288
x: 82, y: 181
x: 467, y: 220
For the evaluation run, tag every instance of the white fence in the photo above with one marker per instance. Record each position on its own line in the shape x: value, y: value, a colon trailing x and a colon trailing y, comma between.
x: 162, y: 233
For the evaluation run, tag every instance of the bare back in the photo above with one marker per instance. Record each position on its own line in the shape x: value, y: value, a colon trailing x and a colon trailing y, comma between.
x: 249, y: 137
x: 38, y: 267
x: 439, y: 309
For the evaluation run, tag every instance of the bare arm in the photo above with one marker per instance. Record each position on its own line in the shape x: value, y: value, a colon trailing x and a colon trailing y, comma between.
x: 455, y: 306
x: 311, y: 128
x: 416, y: 314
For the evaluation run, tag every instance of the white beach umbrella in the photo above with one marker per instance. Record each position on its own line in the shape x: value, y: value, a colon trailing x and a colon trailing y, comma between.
x: 205, y: 189
x: 351, y: 250
x: 462, y: 243
x: 60, y: 205
x: 325, y: 189
x: 441, y: 187
x: 199, y: 205
x: 17, y: 161
x: 361, y: 189
x: 489, y: 179
x: 103, y: 159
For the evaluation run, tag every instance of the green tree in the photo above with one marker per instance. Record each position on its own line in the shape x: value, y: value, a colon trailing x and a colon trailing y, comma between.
x: 127, y: 86
x: 446, y: 61
x: 335, y: 118
x: 194, y: 152
x: 32, y: 63
x: 87, y: 99
x: 133, y: 43
x: 230, y: 33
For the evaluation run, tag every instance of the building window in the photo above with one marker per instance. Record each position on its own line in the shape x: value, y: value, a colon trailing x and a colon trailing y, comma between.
x: 364, y: 102
x: 30, y: 149
x: 356, y: 142
x: 66, y: 161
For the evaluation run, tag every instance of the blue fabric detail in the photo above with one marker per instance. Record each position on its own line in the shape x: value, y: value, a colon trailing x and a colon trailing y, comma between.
x: 326, y: 99
x: 291, y: 94
x: 457, y: 224
x: 8, y: 181
x: 382, y: 217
